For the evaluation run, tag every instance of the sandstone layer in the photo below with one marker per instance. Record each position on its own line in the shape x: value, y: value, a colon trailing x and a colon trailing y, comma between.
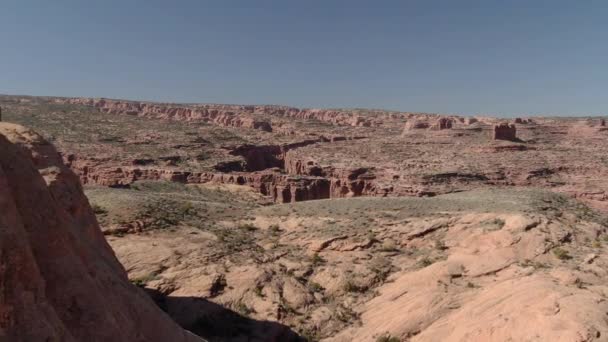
x: 60, y: 281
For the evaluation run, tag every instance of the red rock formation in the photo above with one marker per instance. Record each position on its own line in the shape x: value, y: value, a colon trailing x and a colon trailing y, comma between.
x: 226, y: 115
x: 361, y: 121
x: 413, y: 124
x: 60, y: 281
x: 522, y: 121
x: 504, y: 131
x: 442, y: 123
x: 219, y: 116
x: 303, y: 182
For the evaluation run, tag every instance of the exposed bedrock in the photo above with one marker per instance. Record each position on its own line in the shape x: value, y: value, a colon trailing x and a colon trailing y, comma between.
x: 505, y: 131
x: 60, y: 280
x: 272, y: 182
x: 261, y: 157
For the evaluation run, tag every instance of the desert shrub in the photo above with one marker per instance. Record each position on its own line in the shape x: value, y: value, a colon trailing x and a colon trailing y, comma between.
x: 561, y: 253
x: 387, y: 338
x: 499, y: 222
x: 248, y: 227
x: 424, y: 262
x: 98, y: 210
x: 351, y: 286
x: 315, y: 287
x: 317, y: 260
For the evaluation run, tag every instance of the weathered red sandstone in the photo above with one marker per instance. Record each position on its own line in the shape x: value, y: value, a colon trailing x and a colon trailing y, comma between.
x: 308, y: 165
x: 60, y: 281
x: 505, y: 131
x: 223, y: 116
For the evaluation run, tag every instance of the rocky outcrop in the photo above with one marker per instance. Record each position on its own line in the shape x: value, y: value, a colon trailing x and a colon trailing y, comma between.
x: 235, y: 115
x: 414, y: 124
x: 261, y: 157
x: 504, y: 131
x: 300, y: 183
x: 442, y: 123
x: 437, y: 124
x: 221, y: 115
x: 60, y: 281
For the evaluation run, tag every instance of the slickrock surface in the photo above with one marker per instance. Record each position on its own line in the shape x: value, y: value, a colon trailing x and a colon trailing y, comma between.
x: 59, y: 279
x: 472, y: 266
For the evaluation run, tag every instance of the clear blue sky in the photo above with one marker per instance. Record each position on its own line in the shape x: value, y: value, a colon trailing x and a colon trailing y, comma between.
x: 502, y: 57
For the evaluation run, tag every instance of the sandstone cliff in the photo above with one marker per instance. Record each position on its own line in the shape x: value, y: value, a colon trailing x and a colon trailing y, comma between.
x: 59, y: 279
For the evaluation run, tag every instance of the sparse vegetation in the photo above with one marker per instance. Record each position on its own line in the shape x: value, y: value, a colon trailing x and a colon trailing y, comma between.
x: 315, y: 287
x: 499, y: 222
x: 248, y: 227
x: 317, y: 260
x: 351, y: 286
x: 533, y: 263
x: 561, y: 254
x: 387, y: 338
x: 274, y: 229
x: 426, y: 261
x: 310, y: 334
x: 164, y: 213
x: 141, y: 282
x: 243, y: 309
x: 440, y: 245
x: 98, y: 210
x: 258, y: 290
x: 346, y: 315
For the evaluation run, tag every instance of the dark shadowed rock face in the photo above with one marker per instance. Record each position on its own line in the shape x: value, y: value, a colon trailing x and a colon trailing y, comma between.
x: 504, y: 131
x: 59, y: 279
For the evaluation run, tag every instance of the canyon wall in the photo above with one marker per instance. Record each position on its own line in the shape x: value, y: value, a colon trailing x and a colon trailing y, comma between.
x: 227, y: 115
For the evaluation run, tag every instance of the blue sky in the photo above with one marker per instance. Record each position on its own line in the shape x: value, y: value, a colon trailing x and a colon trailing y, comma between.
x: 470, y: 57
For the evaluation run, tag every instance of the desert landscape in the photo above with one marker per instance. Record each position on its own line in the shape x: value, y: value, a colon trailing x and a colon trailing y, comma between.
x: 221, y: 222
